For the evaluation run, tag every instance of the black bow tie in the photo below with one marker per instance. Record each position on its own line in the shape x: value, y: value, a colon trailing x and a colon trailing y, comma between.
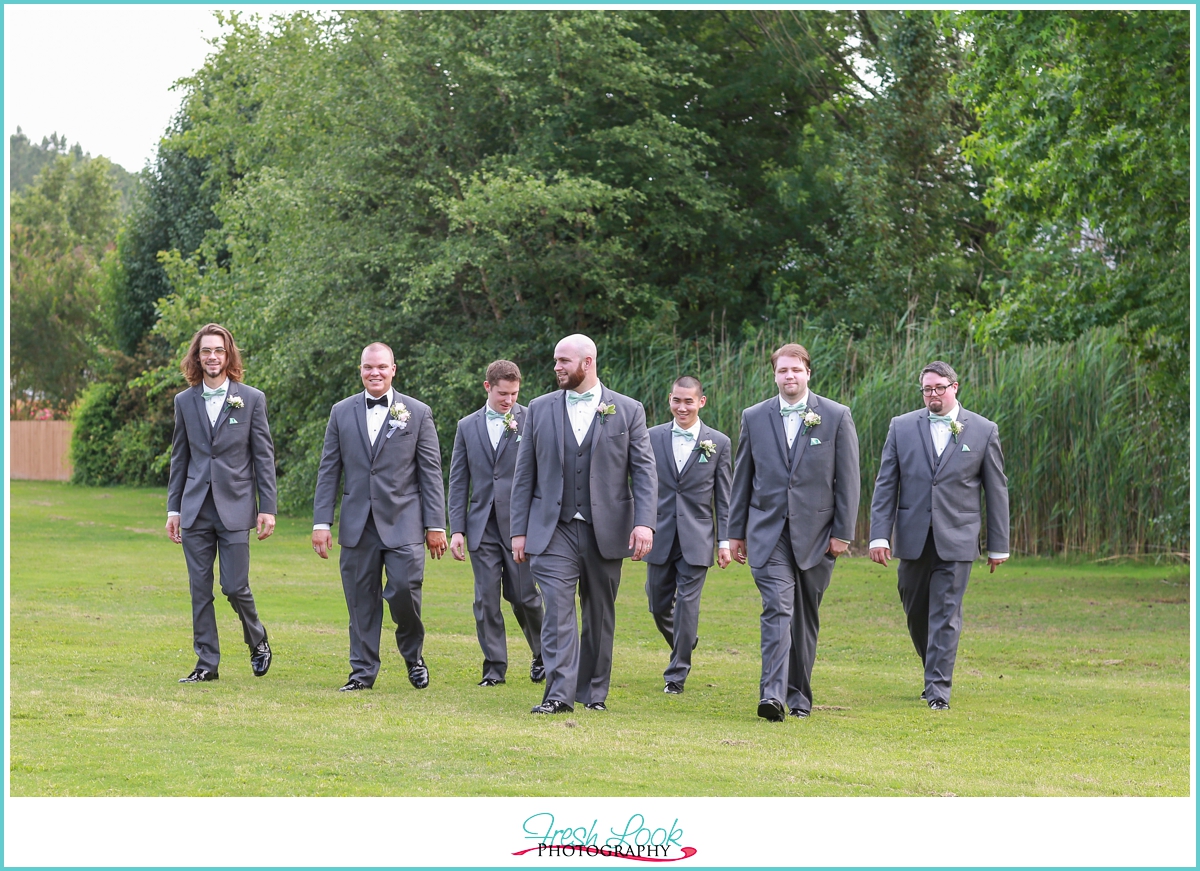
x: 371, y: 403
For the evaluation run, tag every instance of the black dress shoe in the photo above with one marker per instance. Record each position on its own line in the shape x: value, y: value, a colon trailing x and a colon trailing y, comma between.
x: 796, y: 712
x: 672, y: 688
x: 553, y: 706
x: 772, y: 709
x: 260, y: 658
x: 596, y: 706
x: 537, y: 671
x: 418, y: 674
x: 353, y: 685
x: 491, y: 682
x: 200, y: 675
x: 923, y: 696
x: 938, y: 705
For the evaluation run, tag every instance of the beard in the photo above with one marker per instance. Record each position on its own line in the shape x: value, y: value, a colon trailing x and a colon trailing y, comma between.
x: 571, y: 380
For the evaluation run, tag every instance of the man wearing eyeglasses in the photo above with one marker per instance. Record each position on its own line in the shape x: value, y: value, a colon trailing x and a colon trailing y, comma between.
x: 222, y: 485
x: 925, y: 512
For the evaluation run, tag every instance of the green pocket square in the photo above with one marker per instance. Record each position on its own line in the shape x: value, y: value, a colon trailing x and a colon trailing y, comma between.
x: 967, y: 449
x: 814, y: 441
x: 233, y: 420
x: 518, y: 438
x: 703, y: 459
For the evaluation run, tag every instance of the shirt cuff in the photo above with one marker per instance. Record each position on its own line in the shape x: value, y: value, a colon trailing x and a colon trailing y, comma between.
x: 434, y: 529
x: 992, y: 555
x: 722, y: 545
x: 325, y: 526
x: 842, y: 540
x: 878, y: 542
x: 172, y: 514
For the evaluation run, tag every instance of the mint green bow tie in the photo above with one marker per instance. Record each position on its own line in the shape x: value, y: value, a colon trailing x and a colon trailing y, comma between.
x: 209, y: 394
x: 574, y: 398
x: 675, y: 430
x: 495, y: 415
x: 798, y: 408
x: 941, y: 418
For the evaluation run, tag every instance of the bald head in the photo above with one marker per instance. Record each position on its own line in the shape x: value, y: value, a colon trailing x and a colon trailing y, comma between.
x: 575, y: 363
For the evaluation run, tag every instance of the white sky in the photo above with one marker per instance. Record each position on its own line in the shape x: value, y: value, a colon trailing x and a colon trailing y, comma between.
x: 102, y: 74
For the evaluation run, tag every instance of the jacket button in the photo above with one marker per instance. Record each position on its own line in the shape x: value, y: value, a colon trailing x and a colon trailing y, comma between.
x: 372, y: 471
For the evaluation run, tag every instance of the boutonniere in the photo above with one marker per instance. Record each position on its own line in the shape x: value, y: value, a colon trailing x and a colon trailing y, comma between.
x: 956, y: 429
x: 810, y: 420
x: 707, y: 448
x: 510, y: 424
x: 605, y: 410
x: 399, y: 416
x: 235, y: 402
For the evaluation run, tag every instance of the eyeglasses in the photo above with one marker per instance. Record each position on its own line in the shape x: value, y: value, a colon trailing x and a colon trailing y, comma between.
x: 939, y: 389
x: 212, y: 352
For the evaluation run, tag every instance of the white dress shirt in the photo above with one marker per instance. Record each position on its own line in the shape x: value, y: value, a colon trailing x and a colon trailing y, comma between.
x: 495, y: 426
x: 683, y: 447
x: 583, y: 412
x: 792, y: 421
x: 940, y: 433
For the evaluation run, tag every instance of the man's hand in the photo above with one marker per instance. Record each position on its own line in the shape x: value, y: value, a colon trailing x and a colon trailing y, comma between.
x: 266, y: 525
x: 738, y: 546
x: 992, y: 563
x: 173, y: 532
x: 881, y: 555
x: 458, y: 547
x: 435, y: 540
x: 641, y: 540
x: 322, y: 541
x: 518, y: 548
x: 837, y: 547
x: 723, y: 557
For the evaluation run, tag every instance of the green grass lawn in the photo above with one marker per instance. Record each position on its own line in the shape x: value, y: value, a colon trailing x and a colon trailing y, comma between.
x: 1072, y: 679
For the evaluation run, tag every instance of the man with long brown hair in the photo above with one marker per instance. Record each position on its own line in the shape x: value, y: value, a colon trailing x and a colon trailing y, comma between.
x: 222, y: 485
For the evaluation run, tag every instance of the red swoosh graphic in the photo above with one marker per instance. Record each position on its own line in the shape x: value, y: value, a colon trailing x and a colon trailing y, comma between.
x: 688, y: 852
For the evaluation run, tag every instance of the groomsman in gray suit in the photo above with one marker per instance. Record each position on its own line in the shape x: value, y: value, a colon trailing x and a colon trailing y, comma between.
x: 926, y: 503
x: 384, y: 445
x: 694, y: 471
x: 481, y: 475
x: 222, y: 485
x: 576, y: 517
x: 795, y: 500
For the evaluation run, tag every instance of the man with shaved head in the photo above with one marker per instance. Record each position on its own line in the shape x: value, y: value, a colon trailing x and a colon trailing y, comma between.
x: 584, y: 497
x: 384, y: 445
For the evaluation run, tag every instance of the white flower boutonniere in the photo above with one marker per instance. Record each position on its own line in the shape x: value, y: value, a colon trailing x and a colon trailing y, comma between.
x: 810, y: 420
x: 235, y: 402
x: 707, y: 448
x: 956, y: 429
x: 510, y: 424
x: 605, y: 411
x: 398, y: 418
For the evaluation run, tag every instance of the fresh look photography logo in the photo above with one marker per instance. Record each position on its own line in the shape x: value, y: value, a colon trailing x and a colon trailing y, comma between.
x: 635, y: 838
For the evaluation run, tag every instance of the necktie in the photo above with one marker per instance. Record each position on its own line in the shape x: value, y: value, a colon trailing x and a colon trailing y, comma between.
x: 574, y: 398
x: 371, y: 403
x: 940, y: 418
x: 494, y: 415
x: 675, y: 430
x: 209, y: 394
x: 799, y: 408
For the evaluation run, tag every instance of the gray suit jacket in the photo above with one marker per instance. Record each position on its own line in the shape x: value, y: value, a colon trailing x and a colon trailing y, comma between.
x: 916, y: 489
x: 398, y: 480
x: 621, y: 456
x: 235, y: 458
x: 481, y: 478
x: 687, y: 500
x: 818, y: 494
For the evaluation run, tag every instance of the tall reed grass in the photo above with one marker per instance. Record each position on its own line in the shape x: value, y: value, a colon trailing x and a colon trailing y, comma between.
x: 1092, y: 469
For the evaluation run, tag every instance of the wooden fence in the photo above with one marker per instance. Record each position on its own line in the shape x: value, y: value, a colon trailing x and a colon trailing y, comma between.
x: 40, y: 450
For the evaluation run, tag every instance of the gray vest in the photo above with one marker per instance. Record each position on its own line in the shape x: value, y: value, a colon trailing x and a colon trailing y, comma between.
x: 577, y: 468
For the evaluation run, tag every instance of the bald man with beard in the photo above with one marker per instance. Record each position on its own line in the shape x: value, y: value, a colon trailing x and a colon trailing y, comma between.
x: 585, y: 493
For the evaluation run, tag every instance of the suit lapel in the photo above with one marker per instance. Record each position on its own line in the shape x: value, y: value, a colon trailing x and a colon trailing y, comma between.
x: 693, y: 457
x: 666, y: 449
x: 506, y: 437
x: 202, y: 412
x: 951, y: 445
x: 802, y: 432
x: 384, y: 428
x: 225, y: 409
x: 777, y: 425
x: 485, y: 438
x: 557, y: 405
x: 927, y: 439
x: 359, y: 409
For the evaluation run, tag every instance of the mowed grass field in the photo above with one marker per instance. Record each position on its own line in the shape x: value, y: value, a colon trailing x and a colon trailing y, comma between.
x: 1072, y: 679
